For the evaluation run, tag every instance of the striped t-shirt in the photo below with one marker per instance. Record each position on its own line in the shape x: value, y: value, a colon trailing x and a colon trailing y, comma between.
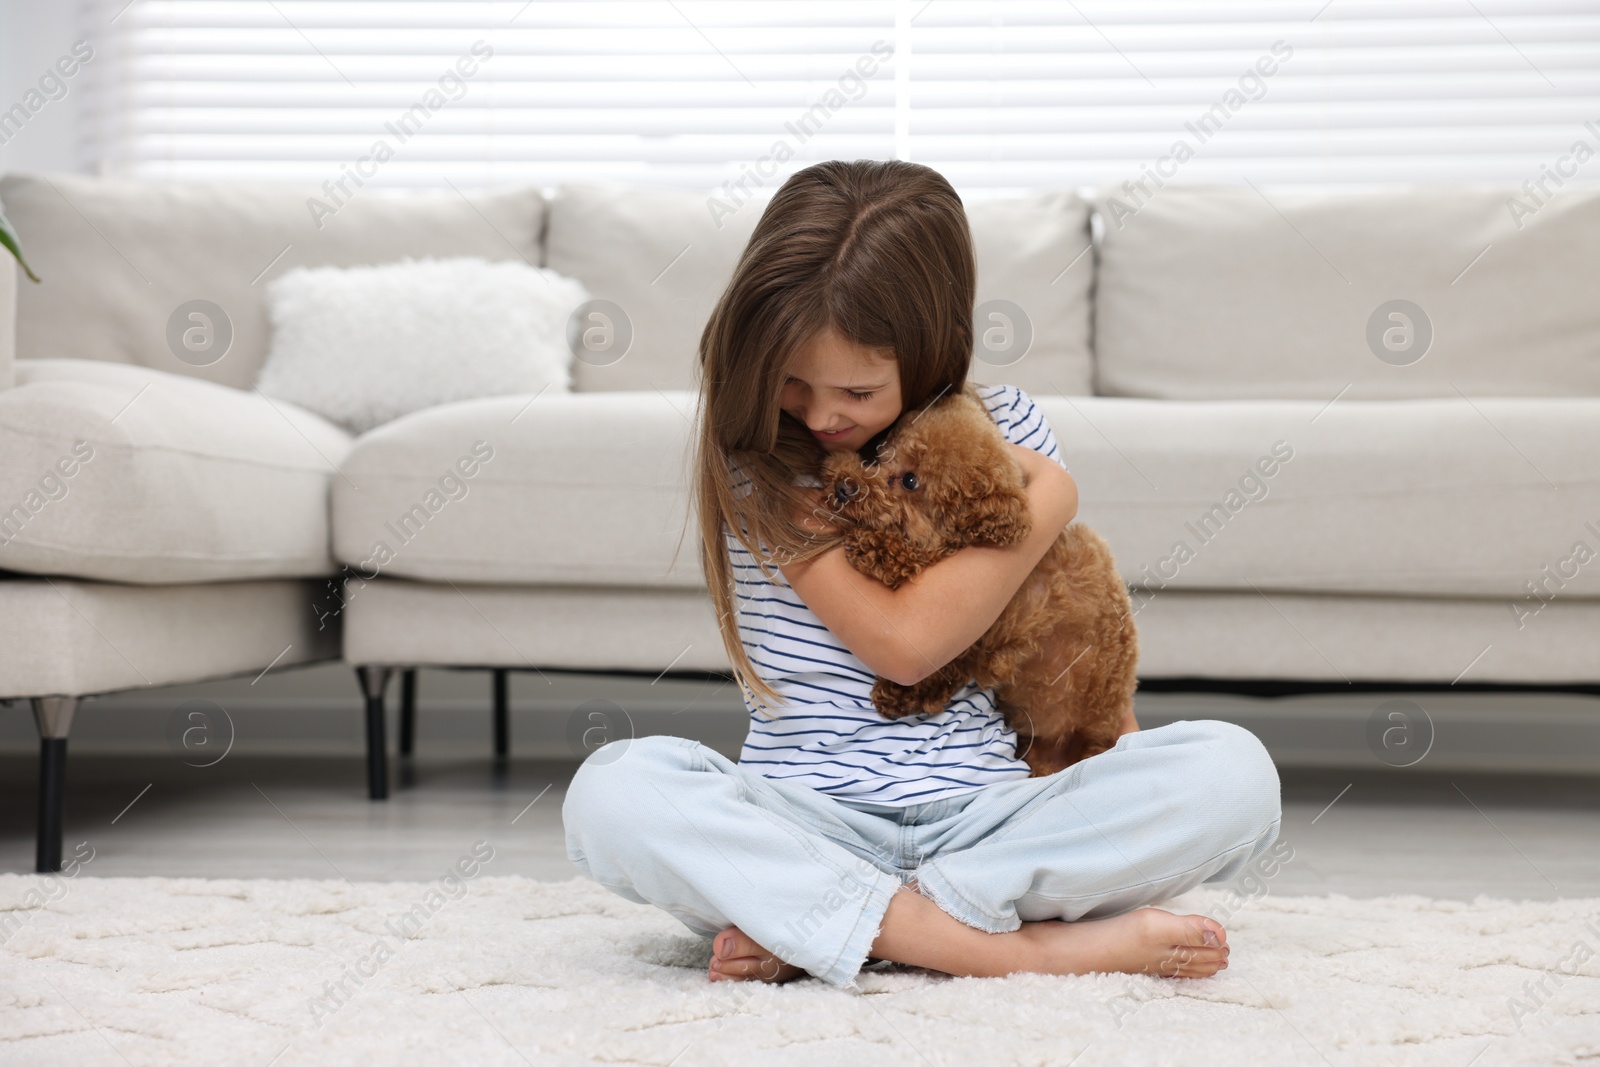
x: 827, y: 734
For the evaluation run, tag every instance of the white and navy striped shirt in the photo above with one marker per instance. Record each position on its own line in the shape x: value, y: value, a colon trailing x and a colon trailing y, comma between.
x: 827, y: 734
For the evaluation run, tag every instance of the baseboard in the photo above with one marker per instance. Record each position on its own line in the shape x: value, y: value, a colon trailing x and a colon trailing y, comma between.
x: 315, y: 711
x: 1437, y: 730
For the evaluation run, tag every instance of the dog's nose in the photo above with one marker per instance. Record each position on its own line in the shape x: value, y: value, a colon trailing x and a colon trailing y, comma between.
x: 843, y: 491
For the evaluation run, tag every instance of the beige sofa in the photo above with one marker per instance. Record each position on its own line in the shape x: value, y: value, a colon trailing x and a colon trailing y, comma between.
x: 1297, y: 498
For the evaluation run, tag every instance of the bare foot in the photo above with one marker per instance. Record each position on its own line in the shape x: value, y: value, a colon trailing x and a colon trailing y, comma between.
x: 735, y: 956
x: 1145, y: 941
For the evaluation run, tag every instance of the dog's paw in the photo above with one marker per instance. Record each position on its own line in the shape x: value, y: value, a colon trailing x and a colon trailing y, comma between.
x: 998, y: 518
x: 895, y: 701
x: 884, y: 555
x: 928, y: 697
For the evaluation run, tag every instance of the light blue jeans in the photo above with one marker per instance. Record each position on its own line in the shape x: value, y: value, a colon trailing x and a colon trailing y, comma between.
x: 671, y: 822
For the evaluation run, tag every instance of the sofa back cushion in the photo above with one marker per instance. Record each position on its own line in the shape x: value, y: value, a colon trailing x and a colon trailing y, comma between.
x: 664, y: 259
x: 1234, y: 293
x: 1033, y: 252
x: 121, y: 259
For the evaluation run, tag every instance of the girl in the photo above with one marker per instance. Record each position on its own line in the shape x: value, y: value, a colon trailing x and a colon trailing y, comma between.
x: 841, y: 837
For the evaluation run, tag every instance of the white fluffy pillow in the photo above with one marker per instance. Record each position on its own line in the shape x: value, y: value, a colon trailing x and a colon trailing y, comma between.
x: 364, y: 345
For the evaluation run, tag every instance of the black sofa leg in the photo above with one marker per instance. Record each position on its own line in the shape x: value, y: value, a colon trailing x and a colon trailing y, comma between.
x: 53, y: 716
x: 502, y: 713
x: 408, y: 711
x: 52, y: 802
x: 374, y: 682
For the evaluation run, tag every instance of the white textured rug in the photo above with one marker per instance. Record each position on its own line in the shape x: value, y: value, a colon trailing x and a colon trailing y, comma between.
x: 513, y: 971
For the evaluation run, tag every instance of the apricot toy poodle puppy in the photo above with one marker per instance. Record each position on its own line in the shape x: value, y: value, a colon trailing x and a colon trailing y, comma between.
x: 1062, y: 656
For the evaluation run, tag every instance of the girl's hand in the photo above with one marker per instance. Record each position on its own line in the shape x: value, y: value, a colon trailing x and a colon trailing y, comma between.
x: 1031, y: 460
x: 1048, y: 484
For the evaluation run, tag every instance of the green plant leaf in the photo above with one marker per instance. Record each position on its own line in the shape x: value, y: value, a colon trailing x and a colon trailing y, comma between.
x: 8, y: 237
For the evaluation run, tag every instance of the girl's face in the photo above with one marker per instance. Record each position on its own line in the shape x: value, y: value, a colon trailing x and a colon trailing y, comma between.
x: 837, y: 385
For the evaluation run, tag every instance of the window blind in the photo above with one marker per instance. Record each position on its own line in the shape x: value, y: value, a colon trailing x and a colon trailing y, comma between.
x: 998, y: 96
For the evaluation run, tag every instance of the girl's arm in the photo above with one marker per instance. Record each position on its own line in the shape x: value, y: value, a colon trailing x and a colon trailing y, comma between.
x: 906, y: 634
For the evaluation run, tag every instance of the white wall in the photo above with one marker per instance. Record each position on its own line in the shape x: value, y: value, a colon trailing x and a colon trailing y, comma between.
x: 33, y: 35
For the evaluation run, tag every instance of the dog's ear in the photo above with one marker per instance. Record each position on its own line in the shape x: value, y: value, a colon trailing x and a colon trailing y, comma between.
x: 998, y: 517
x: 884, y: 554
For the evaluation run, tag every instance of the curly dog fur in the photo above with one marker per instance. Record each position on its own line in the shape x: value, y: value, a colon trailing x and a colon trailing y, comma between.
x: 1062, y: 656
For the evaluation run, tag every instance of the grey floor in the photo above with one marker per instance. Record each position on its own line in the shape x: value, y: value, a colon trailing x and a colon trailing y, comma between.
x: 1440, y: 828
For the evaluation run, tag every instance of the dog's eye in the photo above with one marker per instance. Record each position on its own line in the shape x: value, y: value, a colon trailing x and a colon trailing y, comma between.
x: 908, y: 481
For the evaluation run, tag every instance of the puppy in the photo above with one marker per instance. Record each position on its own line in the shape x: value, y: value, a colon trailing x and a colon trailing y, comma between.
x: 1062, y: 656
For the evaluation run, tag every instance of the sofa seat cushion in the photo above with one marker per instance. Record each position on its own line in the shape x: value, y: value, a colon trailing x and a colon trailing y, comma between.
x: 1411, y: 498
x: 585, y: 488
x: 123, y: 473
x: 1406, y: 497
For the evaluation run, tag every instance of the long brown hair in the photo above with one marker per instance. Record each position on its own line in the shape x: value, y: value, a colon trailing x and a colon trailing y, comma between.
x: 880, y: 251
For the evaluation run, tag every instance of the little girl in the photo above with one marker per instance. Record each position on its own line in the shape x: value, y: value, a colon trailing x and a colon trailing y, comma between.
x: 841, y: 837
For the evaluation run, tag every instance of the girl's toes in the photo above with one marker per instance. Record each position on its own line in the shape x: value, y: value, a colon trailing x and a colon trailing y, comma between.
x: 1186, y: 960
x: 735, y: 955
x: 753, y: 968
x: 733, y: 942
x: 1207, y: 931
